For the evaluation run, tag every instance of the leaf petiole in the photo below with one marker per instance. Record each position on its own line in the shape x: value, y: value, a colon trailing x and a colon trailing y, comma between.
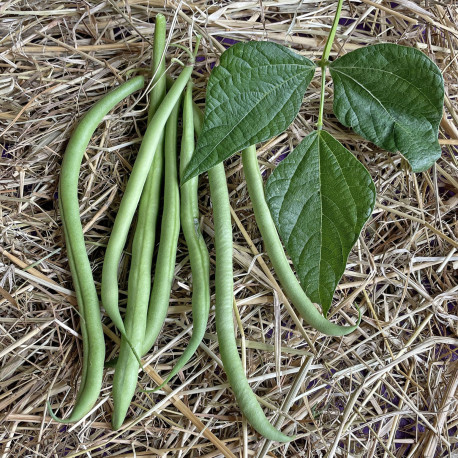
x: 323, y: 63
x: 332, y: 34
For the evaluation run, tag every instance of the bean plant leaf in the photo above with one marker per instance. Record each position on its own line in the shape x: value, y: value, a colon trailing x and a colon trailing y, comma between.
x: 252, y: 95
x: 320, y: 196
x: 392, y: 96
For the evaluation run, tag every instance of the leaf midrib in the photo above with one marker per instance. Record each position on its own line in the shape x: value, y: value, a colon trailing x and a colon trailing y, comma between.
x: 320, y: 138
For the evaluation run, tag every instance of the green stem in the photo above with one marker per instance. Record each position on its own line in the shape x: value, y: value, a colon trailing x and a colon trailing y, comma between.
x: 332, y: 33
x: 324, y: 61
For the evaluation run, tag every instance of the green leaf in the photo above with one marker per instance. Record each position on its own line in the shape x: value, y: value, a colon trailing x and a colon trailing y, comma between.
x: 393, y: 96
x: 253, y: 94
x: 320, y: 196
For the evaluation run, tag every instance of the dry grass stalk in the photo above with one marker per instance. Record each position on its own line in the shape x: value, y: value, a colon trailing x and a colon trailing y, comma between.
x: 389, y: 389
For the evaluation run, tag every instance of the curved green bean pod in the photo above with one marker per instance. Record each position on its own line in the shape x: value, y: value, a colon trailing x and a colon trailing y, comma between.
x: 91, y: 325
x: 198, y: 253
x: 224, y: 296
x: 79, y: 298
x: 170, y: 230
x: 139, y: 284
x: 276, y: 252
x: 132, y: 195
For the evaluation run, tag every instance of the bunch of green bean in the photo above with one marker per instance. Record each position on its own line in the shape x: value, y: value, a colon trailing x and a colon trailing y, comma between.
x: 147, y: 306
x: 145, y: 312
x: 155, y: 174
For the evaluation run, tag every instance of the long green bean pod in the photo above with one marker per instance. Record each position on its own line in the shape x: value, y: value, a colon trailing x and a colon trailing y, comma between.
x: 88, y: 301
x: 224, y: 296
x: 139, y: 284
x: 170, y: 230
x: 79, y: 297
x: 276, y: 252
x: 132, y: 195
x: 198, y: 253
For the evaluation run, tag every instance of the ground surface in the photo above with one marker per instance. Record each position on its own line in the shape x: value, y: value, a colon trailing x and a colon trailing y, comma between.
x: 388, y: 389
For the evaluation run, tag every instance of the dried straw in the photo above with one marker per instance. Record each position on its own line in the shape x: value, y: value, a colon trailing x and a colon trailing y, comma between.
x: 389, y: 389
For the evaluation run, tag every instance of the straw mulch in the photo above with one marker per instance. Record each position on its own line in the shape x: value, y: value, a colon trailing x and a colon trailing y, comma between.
x: 388, y: 389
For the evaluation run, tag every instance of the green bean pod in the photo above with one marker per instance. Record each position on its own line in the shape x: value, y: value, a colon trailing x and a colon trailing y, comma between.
x: 224, y: 296
x: 132, y: 196
x: 88, y: 301
x: 170, y: 230
x: 198, y: 253
x: 139, y: 284
x: 79, y: 298
x: 276, y: 252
